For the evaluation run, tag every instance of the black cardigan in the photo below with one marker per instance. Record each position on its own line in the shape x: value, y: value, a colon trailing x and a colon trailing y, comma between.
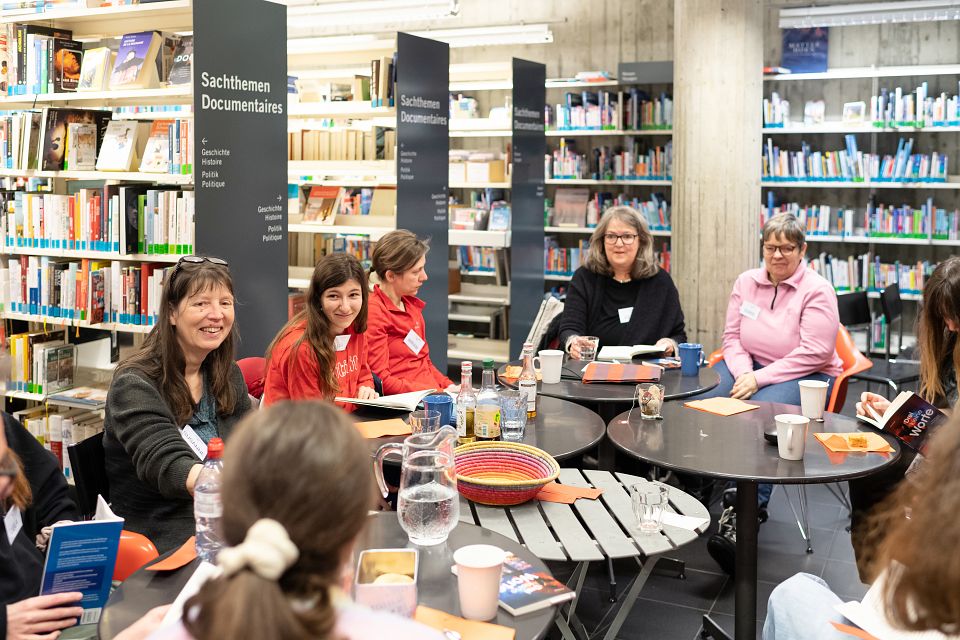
x: 21, y: 564
x: 656, y: 312
x: 148, y: 461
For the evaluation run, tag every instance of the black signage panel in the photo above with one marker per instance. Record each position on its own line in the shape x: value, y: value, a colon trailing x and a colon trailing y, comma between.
x: 645, y: 72
x: 240, y: 167
x: 529, y: 147
x: 422, y: 100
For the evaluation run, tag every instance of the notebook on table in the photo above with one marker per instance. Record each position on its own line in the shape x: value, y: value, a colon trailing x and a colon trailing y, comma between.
x: 609, y: 372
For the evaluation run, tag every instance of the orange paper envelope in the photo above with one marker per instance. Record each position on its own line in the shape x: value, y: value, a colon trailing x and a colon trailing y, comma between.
x: 179, y: 558
x: 840, y: 442
x: 379, y: 428
x: 566, y: 494
x: 856, y: 632
x: 721, y: 406
x: 468, y: 629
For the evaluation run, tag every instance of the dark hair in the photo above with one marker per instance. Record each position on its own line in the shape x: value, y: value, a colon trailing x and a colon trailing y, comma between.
x: 331, y: 271
x: 397, y: 251
x: 160, y: 356
x: 306, y: 466
x: 939, y: 348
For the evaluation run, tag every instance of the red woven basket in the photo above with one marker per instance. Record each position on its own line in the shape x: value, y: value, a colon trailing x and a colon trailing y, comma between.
x: 503, y: 473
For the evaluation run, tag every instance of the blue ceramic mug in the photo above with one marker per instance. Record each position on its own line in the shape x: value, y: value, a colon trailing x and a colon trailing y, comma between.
x: 691, y: 358
x: 441, y: 403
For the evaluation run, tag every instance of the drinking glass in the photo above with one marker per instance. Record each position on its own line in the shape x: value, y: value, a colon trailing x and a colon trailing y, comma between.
x: 513, y: 415
x: 424, y: 421
x: 650, y: 396
x: 588, y: 347
x: 649, y: 500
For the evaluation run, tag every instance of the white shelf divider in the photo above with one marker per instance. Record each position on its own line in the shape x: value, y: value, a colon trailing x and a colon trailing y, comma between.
x: 585, y: 181
x: 496, y: 239
x: 92, y: 255
x: 569, y: 133
x: 952, y: 183
x: 347, y: 109
x: 871, y: 72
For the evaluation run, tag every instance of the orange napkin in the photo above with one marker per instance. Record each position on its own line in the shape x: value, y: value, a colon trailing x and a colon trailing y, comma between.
x: 468, y: 629
x: 379, y: 428
x: 513, y: 371
x: 721, y: 406
x: 566, y: 494
x: 179, y: 558
x: 840, y: 442
x: 853, y: 631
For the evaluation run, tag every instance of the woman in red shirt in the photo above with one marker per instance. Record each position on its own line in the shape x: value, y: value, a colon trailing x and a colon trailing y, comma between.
x: 322, y: 351
x: 399, y: 354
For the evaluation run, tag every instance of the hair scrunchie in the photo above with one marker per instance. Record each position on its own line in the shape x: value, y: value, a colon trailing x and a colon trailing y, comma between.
x: 267, y: 550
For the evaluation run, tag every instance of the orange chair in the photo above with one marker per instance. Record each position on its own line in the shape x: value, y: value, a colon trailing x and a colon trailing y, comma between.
x: 135, y: 551
x: 854, y: 362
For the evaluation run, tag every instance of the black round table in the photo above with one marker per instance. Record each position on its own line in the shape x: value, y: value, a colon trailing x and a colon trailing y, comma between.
x: 437, y: 586
x: 733, y: 447
x: 563, y: 429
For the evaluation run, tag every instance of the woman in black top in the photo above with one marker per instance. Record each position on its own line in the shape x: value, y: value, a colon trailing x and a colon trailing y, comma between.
x: 621, y: 295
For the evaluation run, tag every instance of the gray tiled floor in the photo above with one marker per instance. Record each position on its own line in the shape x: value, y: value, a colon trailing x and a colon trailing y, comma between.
x: 670, y: 608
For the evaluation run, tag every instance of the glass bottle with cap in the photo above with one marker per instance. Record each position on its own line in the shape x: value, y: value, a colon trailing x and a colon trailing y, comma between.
x: 486, y: 420
x: 527, y: 383
x: 466, y: 404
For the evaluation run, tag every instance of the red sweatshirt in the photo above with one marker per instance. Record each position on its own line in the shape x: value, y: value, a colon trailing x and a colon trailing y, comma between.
x: 392, y: 355
x: 303, y: 379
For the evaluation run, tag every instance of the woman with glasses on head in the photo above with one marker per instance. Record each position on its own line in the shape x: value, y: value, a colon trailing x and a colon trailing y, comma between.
x: 620, y: 294
x: 322, y: 351
x: 183, y: 382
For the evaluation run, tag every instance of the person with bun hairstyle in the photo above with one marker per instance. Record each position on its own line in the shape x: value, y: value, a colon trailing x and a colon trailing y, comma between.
x: 288, y: 558
x: 396, y: 333
x: 322, y: 351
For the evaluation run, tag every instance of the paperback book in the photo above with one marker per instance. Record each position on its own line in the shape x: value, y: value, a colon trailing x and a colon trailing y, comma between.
x: 122, y: 145
x: 67, y: 62
x: 181, y: 72
x: 95, y: 69
x: 53, y: 137
x: 135, y: 66
x: 910, y: 419
x: 523, y: 589
x: 81, y: 147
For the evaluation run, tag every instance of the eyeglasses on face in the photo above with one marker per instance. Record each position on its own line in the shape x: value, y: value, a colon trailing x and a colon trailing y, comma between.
x: 785, y: 250
x: 625, y: 238
x: 195, y: 260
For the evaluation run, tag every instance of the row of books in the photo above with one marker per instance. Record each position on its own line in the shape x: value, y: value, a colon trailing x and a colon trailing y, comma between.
x: 576, y: 207
x: 306, y: 249
x: 563, y: 261
x: 866, y: 272
x: 376, y: 143
x: 482, y: 259
x: 914, y: 109
x: 494, y: 217
x: 851, y: 165
x: 632, y: 161
x: 124, y: 219
x: 321, y: 204
x: 776, y: 112
x: 40, y: 363
x: 605, y: 110
x: 56, y: 429
x: 875, y: 221
x: 23, y: 7
x: 92, y: 291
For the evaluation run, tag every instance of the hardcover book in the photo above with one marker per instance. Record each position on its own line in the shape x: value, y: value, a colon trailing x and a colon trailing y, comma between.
x: 910, y: 419
x: 524, y: 590
x: 135, y: 66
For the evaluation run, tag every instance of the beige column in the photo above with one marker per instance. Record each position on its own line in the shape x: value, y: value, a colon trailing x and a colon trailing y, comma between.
x: 718, y: 61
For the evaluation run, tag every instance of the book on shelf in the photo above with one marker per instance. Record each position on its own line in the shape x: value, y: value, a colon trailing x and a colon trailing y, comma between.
x: 91, y: 396
x: 632, y: 160
x: 30, y: 57
x: 499, y: 217
x: 909, y: 418
x: 866, y: 272
x: 355, y: 202
x: 181, y: 70
x: 375, y: 143
x: 805, y: 50
x: 384, y: 201
x: 122, y: 146
x: 136, y: 61
x: 524, y: 590
x: 67, y: 61
x: 95, y: 69
x: 570, y: 206
x: 157, y: 153
x: 81, y: 144
x: 627, y: 353
x: 322, y: 205
x: 53, y: 134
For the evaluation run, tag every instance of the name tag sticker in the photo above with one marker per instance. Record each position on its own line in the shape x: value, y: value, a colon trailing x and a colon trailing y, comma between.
x: 194, y: 442
x: 625, y: 314
x: 414, y: 342
x: 340, y: 342
x: 12, y: 522
x: 750, y: 310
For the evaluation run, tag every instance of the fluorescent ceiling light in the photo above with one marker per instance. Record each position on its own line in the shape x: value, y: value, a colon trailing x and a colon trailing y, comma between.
x: 491, y: 36
x: 870, y: 13
x: 365, y: 12
x: 340, y: 44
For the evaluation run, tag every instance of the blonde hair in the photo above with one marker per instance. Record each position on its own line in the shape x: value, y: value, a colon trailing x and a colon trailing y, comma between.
x: 644, y: 266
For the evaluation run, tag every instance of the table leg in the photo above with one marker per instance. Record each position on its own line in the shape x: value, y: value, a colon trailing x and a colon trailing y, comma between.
x: 630, y: 598
x: 746, y: 577
x: 607, y: 455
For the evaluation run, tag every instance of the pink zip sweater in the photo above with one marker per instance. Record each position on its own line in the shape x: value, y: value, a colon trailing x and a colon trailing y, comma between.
x: 789, y: 329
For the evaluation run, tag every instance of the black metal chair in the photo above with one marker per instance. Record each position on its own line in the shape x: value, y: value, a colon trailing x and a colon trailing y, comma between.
x: 88, y: 465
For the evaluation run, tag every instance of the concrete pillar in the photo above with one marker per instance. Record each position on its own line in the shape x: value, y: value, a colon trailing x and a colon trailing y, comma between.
x: 718, y: 46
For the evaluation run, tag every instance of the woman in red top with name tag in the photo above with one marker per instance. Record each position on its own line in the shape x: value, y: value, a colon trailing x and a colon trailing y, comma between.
x: 399, y: 354
x: 322, y: 351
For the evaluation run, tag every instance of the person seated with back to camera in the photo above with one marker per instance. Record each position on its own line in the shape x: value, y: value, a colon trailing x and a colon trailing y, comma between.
x: 620, y: 294
x: 322, y: 351
x: 915, y: 537
x: 288, y: 563
x: 781, y: 327
x: 184, y: 375
x: 396, y: 333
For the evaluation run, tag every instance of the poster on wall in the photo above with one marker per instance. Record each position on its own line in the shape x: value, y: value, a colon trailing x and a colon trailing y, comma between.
x: 805, y: 50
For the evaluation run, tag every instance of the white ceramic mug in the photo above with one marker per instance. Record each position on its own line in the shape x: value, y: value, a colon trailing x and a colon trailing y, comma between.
x: 478, y: 580
x: 791, y: 435
x: 550, y: 363
x: 813, y: 398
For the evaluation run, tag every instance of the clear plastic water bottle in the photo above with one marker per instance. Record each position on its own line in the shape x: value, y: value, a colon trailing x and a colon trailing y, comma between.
x: 207, y: 506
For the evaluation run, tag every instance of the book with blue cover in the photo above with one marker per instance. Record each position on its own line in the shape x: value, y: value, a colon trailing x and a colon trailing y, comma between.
x: 805, y: 50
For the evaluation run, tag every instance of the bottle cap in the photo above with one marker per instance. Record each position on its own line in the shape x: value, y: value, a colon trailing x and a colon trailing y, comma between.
x: 488, y: 363
x: 215, y: 449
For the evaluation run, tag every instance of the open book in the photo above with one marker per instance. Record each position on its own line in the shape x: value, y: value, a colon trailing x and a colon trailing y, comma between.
x: 909, y: 418
x: 523, y: 589
x: 626, y: 353
x: 400, y: 401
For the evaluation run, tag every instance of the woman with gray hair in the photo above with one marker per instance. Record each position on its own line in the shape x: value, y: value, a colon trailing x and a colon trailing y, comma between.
x: 620, y: 294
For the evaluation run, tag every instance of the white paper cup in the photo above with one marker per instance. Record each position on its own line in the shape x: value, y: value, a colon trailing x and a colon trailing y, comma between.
x: 791, y: 435
x: 478, y: 580
x: 551, y: 363
x: 813, y: 398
